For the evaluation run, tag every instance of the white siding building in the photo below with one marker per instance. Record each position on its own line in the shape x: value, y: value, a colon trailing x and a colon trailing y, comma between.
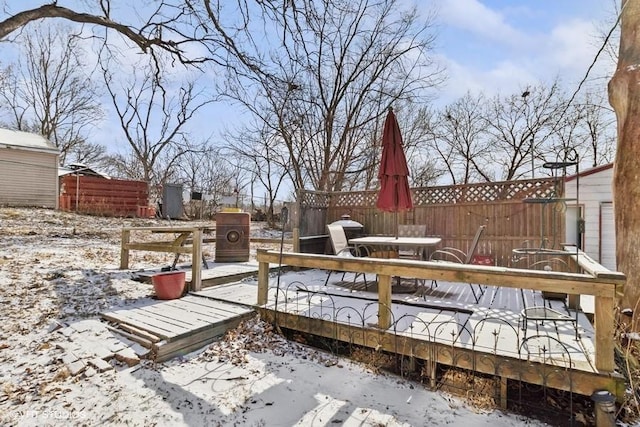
x: 28, y: 170
x: 595, y: 199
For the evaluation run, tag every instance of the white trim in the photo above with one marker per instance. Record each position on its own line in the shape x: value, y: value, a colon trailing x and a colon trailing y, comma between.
x: 23, y: 148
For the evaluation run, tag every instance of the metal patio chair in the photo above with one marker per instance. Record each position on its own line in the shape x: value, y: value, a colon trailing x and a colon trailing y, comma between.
x: 341, y: 248
x: 455, y: 255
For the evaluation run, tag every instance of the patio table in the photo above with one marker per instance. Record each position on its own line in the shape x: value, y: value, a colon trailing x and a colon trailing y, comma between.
x: 390, y: 242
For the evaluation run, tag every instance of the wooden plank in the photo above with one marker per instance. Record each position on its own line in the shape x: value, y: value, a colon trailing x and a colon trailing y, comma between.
x: 130, y: 336
x: 274, y: 241
x: 144, y: 334
x: 593, y: 267
x: 121, y: 319
x: 164, y: 229
x: 206, y: 307
x: 205, y: 301
x: 177, y: 316
x: 154, y: 247
x: 221, y: 278
x: 154, y: 325
x: 230, y: 292
x: 146, y: 319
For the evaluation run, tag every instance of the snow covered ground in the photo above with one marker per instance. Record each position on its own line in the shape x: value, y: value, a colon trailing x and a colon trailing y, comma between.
x: 59, y: 270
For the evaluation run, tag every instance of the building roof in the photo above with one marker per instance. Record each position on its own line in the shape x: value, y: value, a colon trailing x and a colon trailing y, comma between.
x: 590, y: 171
x: 81, y: 169
x: 26, y: 141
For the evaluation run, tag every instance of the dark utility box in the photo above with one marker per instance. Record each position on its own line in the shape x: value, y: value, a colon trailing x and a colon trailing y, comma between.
x: 232, y: 236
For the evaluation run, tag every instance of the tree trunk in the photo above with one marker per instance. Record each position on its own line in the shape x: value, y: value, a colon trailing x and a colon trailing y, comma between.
x: 624, y: 97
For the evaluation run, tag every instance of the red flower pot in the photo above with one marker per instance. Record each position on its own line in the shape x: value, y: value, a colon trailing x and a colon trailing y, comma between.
x: 169, y: 285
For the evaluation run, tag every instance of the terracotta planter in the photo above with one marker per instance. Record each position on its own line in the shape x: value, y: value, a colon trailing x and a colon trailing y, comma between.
x: 169, y: 285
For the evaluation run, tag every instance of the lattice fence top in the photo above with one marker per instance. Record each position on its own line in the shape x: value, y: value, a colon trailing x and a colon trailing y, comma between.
x: 314, y: 199
x: 452, y: 194
x: 485, y: 192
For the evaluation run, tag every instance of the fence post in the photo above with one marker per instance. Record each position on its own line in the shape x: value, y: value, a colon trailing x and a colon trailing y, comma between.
x: 296, y: 240
x: 124, y: 251
x: 263, y: 280
x: 196, y: 260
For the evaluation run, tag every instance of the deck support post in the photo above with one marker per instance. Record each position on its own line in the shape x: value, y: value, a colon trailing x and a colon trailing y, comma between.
x: 605, y: 329
x: 574, y: 301
x: 503, y: 393
x: 411, y: 364
x: 124, y: 249
x: 433, y: 373
x: 384, y: 301
x: 196, y: 260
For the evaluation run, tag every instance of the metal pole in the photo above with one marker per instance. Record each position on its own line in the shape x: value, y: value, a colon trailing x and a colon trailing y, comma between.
x: 77, y: 189
x: 533, y: 175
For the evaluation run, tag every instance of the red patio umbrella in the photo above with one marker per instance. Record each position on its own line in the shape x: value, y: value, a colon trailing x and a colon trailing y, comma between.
x: 394, y: 194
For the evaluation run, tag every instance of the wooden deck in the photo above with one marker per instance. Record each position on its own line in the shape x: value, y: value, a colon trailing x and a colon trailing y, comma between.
x: 440, y: 325
x: 444, y: 325
x: 446, y: 314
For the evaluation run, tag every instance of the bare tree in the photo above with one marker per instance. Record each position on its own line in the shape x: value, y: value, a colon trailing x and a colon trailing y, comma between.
x: 153, y: 121
x: 194, y: 164
x: 165, y: 26
x: 521, y: 126
x: 462, y: 141
x: 88, y: 153
x: 624, y: 96
x: 265, y: 161
x: 325, y: 86
x: 598, y: 129
x: 205, y: 170
x: 48, y: 91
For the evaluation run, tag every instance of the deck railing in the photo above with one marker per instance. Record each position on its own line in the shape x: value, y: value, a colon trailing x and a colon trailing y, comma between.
x: 596, y: 281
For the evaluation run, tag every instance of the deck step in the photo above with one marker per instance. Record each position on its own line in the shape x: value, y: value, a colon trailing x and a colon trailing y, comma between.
x: 173, y: 327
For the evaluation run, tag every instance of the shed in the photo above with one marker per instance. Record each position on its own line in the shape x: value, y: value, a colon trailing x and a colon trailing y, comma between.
x: 595, y: 200
x: 28, y: 170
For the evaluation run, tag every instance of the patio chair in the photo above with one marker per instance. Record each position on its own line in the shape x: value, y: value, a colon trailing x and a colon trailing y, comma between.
x: 341, y: 248
x: 455, y: 255
x: 411, y: 230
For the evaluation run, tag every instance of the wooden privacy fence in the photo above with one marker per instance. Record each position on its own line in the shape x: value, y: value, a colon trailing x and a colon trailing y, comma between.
x: 102, y: 196
x: 453, y: 213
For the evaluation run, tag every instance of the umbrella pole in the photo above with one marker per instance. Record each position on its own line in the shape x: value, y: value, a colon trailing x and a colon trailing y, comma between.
x: 396, y: 204
x: 396, y: 224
